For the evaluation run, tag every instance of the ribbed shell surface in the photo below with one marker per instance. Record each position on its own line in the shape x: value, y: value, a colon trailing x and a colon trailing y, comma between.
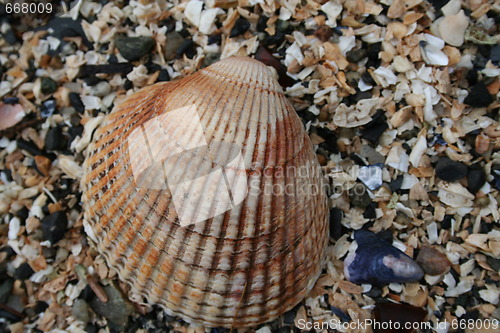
x: 239, y: 268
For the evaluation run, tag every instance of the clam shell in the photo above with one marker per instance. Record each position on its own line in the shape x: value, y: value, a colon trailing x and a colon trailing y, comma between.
x: 205, y: 195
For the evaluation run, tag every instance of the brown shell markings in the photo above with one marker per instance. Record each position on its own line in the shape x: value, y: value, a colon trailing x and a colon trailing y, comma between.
x: 234, y: 264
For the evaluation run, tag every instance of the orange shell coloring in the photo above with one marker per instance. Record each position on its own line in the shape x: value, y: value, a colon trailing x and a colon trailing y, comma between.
x: 205, y: 195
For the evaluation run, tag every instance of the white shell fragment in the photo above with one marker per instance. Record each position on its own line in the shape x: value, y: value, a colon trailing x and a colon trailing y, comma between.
x: 360, y: 114
x: 452, y: 28
x: 430, y: 48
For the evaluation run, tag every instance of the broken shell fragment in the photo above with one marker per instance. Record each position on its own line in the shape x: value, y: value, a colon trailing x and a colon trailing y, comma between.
x: 377, y: 262
x: 205, y: 195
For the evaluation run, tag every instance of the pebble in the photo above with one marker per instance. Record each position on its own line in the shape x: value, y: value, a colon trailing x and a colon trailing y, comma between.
x: 80, y: 310
x: 266, y: 57
x: 438, y: 4
x: 23, y: 272
x: 117, y: 309
x: 133, y: 48
x: 121, y: 68
x: 48, y: 85
x: 66, y: 27
x: 29, y: 146
x: 432, y: 261
x: 5, y: 290
x: 479, y: 96
x: 163, y: 76
x: 359, y: 196
x: 405, y: 315
x: 495, y: 53
x: 356, y: 55
x: 377, y: 262
x: 48, y: 108
x: 76, y: 102
x: 449, y: 170
x: 324, y: 33
x: 475, y: 178
x: 54, y: 226
x: 174, y: 42
x: 240, y: 27
x: 54, y: 139
x: 336, y: 223
x: 374, y: 129
x: 188, y: 48
x: 371, y: 155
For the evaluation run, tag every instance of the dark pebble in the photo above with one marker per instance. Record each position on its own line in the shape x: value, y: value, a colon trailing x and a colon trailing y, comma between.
x: 289, y: 317
x: 479, y: 61
x: 336, y: 228
x: 54, y: 140
x: 330, y: 137
x: 472, y: 77
x: 475, y: 178
x: 7, y: 250
x: 359, y: 196
x: 494, y: 263
x: 23, y: 272
x: 374, y: 129
x: 395, y: 185
x: 387, y: 314
x: 479, y: 96
x: 128, y: 84
x: 449, y: 170
x: 266, y: 57
x: 214, y: 39
x: 163, y: 76
x: 54, y: 226
x: 5, y: 290
x: 188, y: 48
x: 39, y: 307
x: 375, y: 292
x: 240, y: 27
x: 370, y: 212
x: 372, y: 52
x: 438, y: 4
x: 495, y: 53
x: 446, y: 223
x: 10, y: 316
x: 356, y: 55
x: 262, y: 23
x: 174, y: 41
x: 283, y: 26
x: 152, y: 67
x: 28, y: 146
x: 359, y: 95
x: 48, y: 85
x: 92, y: 80
x: 117, y: 309
x: 358, y: 159
x: 48, y: 108
x: 76, y: 102
x: 344, y: 317
x: 133, y: 48
x: 11, y: 100
x: 368, y: 79
x: 274, y: 40
x: 10, y: 36
x: 324, y: 33
x: 111, y: 68
x: 67, y: 27
x: 92, y: 328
